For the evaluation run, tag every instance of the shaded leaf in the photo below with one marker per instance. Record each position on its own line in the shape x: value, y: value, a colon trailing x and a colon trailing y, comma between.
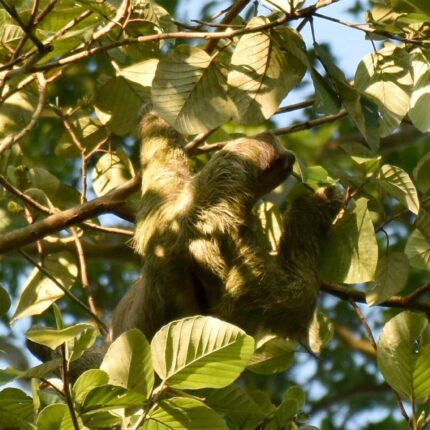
x: 16, y: 408
x: 391, y: 276
x: 273, y: 355
x: 352, y: 244
x: 235, y: 403
x: 200, y: 352
x: 4, y: 301
x: 403, y: 354
x: 422, y: 174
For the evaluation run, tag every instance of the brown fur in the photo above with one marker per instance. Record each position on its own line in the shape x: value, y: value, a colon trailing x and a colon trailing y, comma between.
x: 200, y: 254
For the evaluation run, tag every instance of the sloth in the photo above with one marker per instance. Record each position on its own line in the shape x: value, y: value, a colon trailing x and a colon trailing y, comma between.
x: 200, y: 251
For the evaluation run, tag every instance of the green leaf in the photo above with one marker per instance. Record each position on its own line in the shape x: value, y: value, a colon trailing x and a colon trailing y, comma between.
x: 128, y: 362
x: 142, y: 74
x: 422, y: 222
x: 52, y: 338
x: 40, y: 291
x: 183, y: 414
x: 8, y: 374
x: 111, y: 171
x: 285, y: 412
x: 189, y: 84
x: 273, y: 355
x: 200, y: 352
x: 118, y: 103
x: 391, y: 276
x: 418, y: 250
x: 422, y: 5
x: 264, y: 67
x: 361, y: 110
x: 42, y: 370
x: 403, y: 354
x: 4, y: 301
x: 396, y: 182
x: 422, y: 174
x: 296, y: 393
x: 235, y: 403
x: 420, y: 99
x: 386, y: 77
x: 352, y: 244
x: 16, y: 409
x: 56, y: 417
x: 87, y: 381
x: 320, y: 332
x: 326, y: 99
x: 110, y: 397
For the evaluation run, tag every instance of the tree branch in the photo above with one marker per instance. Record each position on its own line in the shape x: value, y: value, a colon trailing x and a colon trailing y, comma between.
x: 110, y: 203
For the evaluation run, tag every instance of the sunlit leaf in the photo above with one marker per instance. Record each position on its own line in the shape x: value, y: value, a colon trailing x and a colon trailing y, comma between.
x: 189, y: 90
x: 87, y: 381
x: 398, y: 184
x: 111, y: 171
x: 352, y: 244
x: 263, y: 69
x: 40, y: 291
x: 200, y: 352
x: 391, y: 276
x: 420, y: 99
x: 418, y: 250
x: 320, y: 332
x: 52, y: 338
x: 404, y: 354
x: 385, y: 76
x: 128, y: 362
x: 183, y: 414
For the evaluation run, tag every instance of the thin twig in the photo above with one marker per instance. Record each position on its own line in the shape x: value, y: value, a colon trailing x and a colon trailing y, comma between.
x: 295, y: 106
x: 83, y: 271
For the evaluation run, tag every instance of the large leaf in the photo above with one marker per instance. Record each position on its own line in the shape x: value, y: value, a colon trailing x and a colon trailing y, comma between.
x: 189, y: 90
x: 420, y: 99
x: 352, y: 245
x: 403, y: 354
x: 263, y: 70
x: 326, y: 99
x: 87, y: 381
x: 40, y: 291
x: 128, y: 362
x: 398, y: 184
x: 273, y: 355
x: 200, y: 352
x: 418, y: 250
x: 385, y: 76
x: 56, y: 417
x: 183, y: 414
x: 391, y: 276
